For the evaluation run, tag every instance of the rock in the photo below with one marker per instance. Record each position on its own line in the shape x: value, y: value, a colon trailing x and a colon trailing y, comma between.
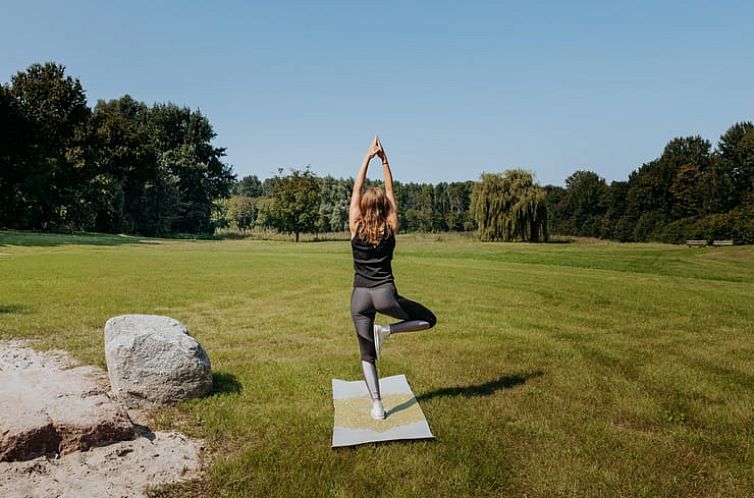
x: 152, y: 359
x: 45, y: 411
x: 26, y: 431
x: 84, y: 416
x: 124, y: 469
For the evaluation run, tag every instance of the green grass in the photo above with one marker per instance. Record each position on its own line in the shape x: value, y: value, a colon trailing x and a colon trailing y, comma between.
x: 585, y: 369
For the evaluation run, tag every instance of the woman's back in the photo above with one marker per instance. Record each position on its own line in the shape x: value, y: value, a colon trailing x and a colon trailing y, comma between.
x: 372, y: 265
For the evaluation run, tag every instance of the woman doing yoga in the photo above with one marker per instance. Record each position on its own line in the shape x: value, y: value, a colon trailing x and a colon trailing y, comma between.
x: 373, y: 221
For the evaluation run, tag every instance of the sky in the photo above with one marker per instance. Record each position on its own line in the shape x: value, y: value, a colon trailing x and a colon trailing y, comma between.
x: 454, y: 89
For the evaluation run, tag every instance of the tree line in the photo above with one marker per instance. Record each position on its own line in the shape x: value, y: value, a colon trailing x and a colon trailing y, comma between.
x: 122, y: 167
x: 302, y: 202
x: 127, y: 167
x: 691, y: 191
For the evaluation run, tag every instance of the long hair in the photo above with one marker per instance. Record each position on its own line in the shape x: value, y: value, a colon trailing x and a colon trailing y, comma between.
x: 374, y: 210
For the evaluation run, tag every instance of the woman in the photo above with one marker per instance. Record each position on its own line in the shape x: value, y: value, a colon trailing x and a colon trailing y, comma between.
x: 373, y: 221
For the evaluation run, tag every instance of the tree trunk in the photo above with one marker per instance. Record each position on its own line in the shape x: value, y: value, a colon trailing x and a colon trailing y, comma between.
x: 296, y: 236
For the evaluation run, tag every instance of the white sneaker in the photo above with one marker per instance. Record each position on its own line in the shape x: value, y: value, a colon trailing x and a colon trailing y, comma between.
x: 378, y: 412
x: 380, y: 332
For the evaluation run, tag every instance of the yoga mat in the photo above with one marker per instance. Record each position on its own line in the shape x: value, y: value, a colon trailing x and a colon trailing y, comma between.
x: 354, y: 425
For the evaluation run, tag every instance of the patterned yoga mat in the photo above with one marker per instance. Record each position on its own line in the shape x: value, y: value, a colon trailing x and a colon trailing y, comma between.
x: 354, y: 424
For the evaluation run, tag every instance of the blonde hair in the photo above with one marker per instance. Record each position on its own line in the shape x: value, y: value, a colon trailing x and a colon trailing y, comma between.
x: 375, y: 208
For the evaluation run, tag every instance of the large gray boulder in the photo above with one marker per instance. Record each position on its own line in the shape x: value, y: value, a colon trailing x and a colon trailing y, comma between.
x: 152, y: 360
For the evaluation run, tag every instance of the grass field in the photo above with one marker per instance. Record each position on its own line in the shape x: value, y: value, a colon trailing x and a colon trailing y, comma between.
x: 582, y: 369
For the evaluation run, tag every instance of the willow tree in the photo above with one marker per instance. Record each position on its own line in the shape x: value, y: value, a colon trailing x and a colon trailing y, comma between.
x: 510, y: 206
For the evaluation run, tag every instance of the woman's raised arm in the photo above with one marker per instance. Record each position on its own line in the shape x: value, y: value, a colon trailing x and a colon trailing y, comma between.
x: 392, y: 217
x: 354, y: 210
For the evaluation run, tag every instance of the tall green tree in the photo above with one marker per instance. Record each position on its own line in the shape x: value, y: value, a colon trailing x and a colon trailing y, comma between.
x: 295, y: 202
x: 15, y: 199
x: 651, y: 203
x: 736, y: 153
x: 510, y: 206
x: 125, y: 163
x: 183, y: 141
x: 248, y: 186
x: 584, y: 204
x: 334, y: 199
x: 556, y: 220
x: 459, y: 200
x: 242, y: 211
x: 613, y: 223
x: 54, y: 107
x: 688, y: 189
x: 157, y: 170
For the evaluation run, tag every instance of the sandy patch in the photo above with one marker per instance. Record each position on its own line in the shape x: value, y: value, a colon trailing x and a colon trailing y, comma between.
x: 118, y: 470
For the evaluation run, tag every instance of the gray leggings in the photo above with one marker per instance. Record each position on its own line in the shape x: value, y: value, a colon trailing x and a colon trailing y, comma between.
x: 367, y: 301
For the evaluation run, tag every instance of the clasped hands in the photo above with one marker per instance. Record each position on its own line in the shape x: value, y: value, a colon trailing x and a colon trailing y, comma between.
x: 375, y: 149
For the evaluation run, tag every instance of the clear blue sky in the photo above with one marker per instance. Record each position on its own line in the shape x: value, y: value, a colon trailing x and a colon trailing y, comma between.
x: 453, y: 88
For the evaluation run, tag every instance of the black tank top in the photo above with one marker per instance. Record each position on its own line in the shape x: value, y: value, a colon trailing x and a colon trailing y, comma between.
x: 372, y: 264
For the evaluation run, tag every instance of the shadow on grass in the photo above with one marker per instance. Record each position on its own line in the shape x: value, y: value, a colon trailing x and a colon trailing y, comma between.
x: 225, y: 383
x: 6, y: 309
x: 486, y: 389
x: 48, y: 239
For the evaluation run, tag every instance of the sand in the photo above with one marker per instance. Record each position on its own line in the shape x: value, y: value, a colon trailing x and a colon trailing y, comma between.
x: 118, y: 470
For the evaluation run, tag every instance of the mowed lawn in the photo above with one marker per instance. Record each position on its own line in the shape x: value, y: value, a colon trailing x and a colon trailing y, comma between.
x: 580, y: 370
